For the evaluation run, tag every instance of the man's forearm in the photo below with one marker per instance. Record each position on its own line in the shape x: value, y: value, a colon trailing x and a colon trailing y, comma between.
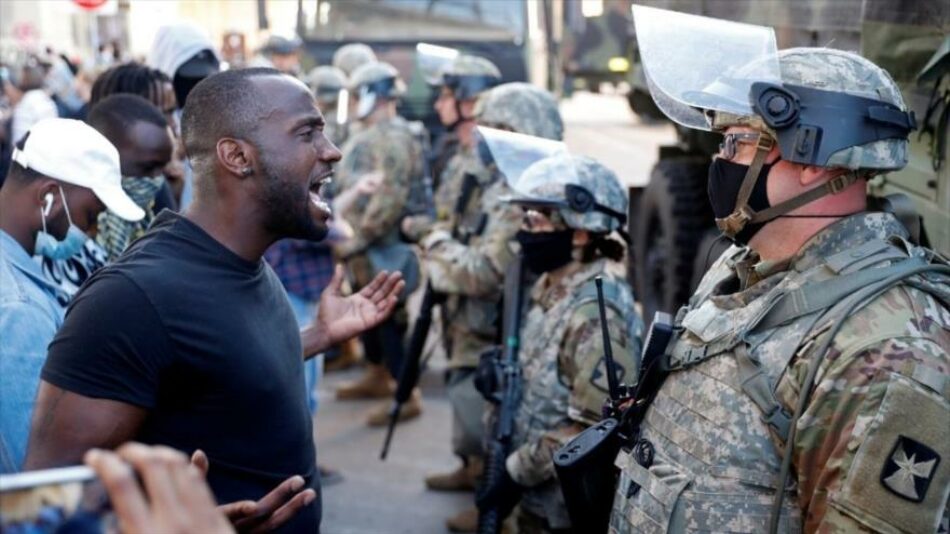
x: 314, y: 340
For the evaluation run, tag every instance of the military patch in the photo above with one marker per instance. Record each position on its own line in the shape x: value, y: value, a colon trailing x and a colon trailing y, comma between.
x: 599, y: 377
x: 909, y: 469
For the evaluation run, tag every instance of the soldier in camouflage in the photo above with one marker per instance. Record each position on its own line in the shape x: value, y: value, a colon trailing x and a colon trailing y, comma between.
x: 466, y: 261
x: 327, y: 84
x: 811, y: 337
x: 372, y: 189
x: 352, y: 56
x: 465, y: 78
x: 564, y: 373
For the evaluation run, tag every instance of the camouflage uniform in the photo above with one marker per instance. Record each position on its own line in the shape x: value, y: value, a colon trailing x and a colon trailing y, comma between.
x: 716, y: 459
x: 388, y: 146
x: 564, y: 374
x: 562, y: 361
x: 469, y: 268
x: 866, y: 452
x: 467, y: 77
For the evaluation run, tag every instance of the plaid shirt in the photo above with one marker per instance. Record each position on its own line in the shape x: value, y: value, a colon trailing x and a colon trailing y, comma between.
x: 304, y: 267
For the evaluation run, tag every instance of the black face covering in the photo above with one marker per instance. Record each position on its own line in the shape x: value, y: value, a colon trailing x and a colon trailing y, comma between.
x: 546, y: 251
x: 725, y: 180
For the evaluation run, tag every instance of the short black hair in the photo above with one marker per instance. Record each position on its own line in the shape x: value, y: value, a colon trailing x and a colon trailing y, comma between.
x: 133, y: 78
x: 225, y: 104
x: 115, y: 115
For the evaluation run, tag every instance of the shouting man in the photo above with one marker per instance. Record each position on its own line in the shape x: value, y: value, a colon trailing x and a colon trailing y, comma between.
x: 188, y: 339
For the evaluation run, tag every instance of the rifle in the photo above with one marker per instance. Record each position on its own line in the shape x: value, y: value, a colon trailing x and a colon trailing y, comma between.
x: 585, y: 465
x: 410, y: 370
x: 412, y: 364
x: 489, y: 521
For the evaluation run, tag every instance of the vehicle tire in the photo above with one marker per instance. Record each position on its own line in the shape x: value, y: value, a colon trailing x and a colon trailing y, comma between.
x: 673, y: 215
x: 642, y: 104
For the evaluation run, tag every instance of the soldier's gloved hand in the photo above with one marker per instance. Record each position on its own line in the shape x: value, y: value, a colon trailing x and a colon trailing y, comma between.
x: 502, y: 494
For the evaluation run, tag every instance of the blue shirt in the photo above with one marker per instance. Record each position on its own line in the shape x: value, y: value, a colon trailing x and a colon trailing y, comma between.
x: 30, y: 315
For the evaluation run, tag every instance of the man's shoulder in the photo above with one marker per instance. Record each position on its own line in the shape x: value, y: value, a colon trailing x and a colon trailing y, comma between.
x: 904, y: 312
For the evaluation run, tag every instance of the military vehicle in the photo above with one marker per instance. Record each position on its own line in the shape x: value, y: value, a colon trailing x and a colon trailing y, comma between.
x: 671, y: 223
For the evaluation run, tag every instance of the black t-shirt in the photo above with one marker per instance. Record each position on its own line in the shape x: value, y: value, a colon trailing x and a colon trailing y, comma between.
x: 208, y: 344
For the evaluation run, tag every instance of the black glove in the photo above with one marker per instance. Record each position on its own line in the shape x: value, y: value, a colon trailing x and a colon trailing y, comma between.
x: 501, y: 494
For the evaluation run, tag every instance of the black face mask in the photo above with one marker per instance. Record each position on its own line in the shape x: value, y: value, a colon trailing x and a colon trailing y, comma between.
x: 725, y: 180
x: 546, y: 251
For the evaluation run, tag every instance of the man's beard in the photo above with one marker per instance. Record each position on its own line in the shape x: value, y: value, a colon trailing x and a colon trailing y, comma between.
x: 287, y: 212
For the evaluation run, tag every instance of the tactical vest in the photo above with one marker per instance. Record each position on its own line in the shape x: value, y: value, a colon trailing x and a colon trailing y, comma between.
x: 546, y: 393
x: 715, y: 465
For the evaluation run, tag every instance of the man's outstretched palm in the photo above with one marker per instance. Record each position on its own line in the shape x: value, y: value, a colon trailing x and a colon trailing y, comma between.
x: 341, y: 317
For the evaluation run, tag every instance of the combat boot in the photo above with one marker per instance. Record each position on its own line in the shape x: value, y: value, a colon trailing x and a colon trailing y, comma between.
x: 374, y: 384
x: 464, y: 521
x: 412, y: 408
x: 465, y: 478
x: 350, y: 355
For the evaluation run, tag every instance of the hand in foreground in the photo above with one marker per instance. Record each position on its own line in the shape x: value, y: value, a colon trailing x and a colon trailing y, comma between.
x: 269, y: 513
x: 175, y: 500
x: 341, y: 317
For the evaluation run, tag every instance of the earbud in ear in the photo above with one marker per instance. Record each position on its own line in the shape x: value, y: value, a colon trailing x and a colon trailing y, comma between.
x: 47, y: 203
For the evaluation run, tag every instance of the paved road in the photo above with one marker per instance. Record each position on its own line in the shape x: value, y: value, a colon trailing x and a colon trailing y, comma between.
x: 390, y: 497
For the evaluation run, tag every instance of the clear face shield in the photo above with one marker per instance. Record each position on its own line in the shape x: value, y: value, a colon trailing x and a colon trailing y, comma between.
x: 694, y: 65
x: 432, y: 61
x: 513, y: 153
x: 342, y: 107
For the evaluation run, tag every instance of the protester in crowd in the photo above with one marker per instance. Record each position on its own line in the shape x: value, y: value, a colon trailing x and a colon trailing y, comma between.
x: 139, y: 131
x: 188, y: 339
x: 64, y: 173
x: 185, y: 53
x: 35, y: 104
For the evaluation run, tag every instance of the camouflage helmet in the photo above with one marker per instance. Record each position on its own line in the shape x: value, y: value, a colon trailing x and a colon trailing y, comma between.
x: 469, y: 76
x: 586, y: 194
x: 842, y: 72
x: 373, y: 82
x: 523, y: 108
x: 326, y: 82
x: 350, y: 57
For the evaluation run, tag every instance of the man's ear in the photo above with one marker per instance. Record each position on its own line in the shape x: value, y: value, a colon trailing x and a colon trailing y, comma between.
x: 47, y: 197
x: 237, y: 156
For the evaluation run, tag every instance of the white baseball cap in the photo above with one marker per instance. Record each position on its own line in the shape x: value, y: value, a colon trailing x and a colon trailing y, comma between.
x: 74, y: 152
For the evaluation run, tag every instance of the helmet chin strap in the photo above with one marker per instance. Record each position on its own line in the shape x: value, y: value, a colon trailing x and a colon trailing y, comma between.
x: 743, y: 214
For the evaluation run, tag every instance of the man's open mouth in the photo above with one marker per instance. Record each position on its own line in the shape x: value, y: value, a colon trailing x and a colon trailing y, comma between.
x: 315, y: 197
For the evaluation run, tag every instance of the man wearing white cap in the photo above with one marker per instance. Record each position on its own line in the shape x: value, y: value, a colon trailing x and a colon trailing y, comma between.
x: 64, y: 174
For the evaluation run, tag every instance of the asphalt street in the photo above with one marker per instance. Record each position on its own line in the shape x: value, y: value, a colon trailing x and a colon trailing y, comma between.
x: 390, y: 497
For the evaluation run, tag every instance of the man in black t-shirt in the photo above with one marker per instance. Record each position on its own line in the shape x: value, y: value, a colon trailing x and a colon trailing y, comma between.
x: 188, y: 339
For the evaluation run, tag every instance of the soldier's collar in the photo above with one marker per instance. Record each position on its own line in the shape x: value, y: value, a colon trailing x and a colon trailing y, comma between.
x: 845, y: 234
